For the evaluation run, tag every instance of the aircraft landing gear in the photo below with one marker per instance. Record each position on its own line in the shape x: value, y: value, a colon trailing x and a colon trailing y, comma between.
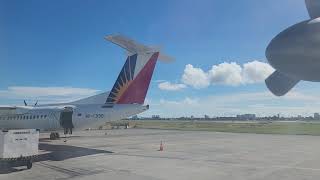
x: 54, y: 136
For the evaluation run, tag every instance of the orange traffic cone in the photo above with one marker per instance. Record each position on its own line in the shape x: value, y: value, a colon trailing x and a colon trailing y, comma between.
x: 161, y: 146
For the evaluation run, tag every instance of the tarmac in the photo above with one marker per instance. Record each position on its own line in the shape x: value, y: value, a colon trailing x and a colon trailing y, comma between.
x: 134, y: 154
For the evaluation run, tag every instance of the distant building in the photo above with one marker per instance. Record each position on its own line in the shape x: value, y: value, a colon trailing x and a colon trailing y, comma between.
x: 246, y: 117
x: 316, y: 116
x: 155, y: 116
x: 206, y: 117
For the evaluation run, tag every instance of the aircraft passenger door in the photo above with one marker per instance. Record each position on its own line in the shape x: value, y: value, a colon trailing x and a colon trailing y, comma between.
x: 66, y: 120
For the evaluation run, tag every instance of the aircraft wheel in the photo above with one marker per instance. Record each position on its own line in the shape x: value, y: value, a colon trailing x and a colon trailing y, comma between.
x: 54, y: 136
x: 57, y: 135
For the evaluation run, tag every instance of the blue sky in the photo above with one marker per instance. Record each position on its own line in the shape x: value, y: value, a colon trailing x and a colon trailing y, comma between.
x: 57, y: 49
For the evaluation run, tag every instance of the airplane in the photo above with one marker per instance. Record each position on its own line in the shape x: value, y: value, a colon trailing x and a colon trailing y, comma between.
x: 125, y: 99
x: 294, y: 53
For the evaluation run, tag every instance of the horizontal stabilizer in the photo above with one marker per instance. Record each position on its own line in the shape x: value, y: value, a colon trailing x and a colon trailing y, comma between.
x: 280, y: 84
x: 134, y: 47
x: 128, y: 44
x: 313, y: 7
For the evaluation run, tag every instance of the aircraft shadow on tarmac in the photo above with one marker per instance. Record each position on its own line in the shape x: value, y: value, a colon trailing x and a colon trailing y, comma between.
x: 55, y: 153
x: 63, y: 152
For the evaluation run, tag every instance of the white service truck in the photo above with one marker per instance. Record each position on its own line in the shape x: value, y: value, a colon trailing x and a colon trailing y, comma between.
x: 18, y: 147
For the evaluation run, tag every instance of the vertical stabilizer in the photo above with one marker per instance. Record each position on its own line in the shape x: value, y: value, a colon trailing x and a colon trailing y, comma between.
x: 134, y: 79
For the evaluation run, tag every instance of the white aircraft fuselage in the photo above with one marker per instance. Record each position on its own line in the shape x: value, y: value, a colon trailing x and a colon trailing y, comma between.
x: 48, y: 117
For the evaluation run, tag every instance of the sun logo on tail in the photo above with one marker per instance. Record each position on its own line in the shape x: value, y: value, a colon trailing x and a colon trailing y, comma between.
x: 124, y: 80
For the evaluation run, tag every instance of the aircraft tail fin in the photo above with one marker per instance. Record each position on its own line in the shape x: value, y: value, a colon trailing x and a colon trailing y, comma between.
x: 134, y: 79
x: 280, y: 84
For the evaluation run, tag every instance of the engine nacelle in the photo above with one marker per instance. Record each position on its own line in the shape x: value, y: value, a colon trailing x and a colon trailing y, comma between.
x: 296, y: 51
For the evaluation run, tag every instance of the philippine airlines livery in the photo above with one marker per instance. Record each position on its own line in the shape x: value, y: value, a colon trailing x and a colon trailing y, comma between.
x: 125, y: 99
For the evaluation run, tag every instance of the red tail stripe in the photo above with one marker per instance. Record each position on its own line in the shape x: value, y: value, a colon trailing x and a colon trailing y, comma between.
x: 137, y: 90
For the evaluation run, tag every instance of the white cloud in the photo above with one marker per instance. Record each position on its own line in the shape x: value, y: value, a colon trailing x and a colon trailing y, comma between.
x: 170, y: 86
x: 186, y: 101
x: 261, y: 103
x: 46, y: 94
x: 231, y: 74
x: 226, y: 73
x: 256, y: 72
x: 195, y: 77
